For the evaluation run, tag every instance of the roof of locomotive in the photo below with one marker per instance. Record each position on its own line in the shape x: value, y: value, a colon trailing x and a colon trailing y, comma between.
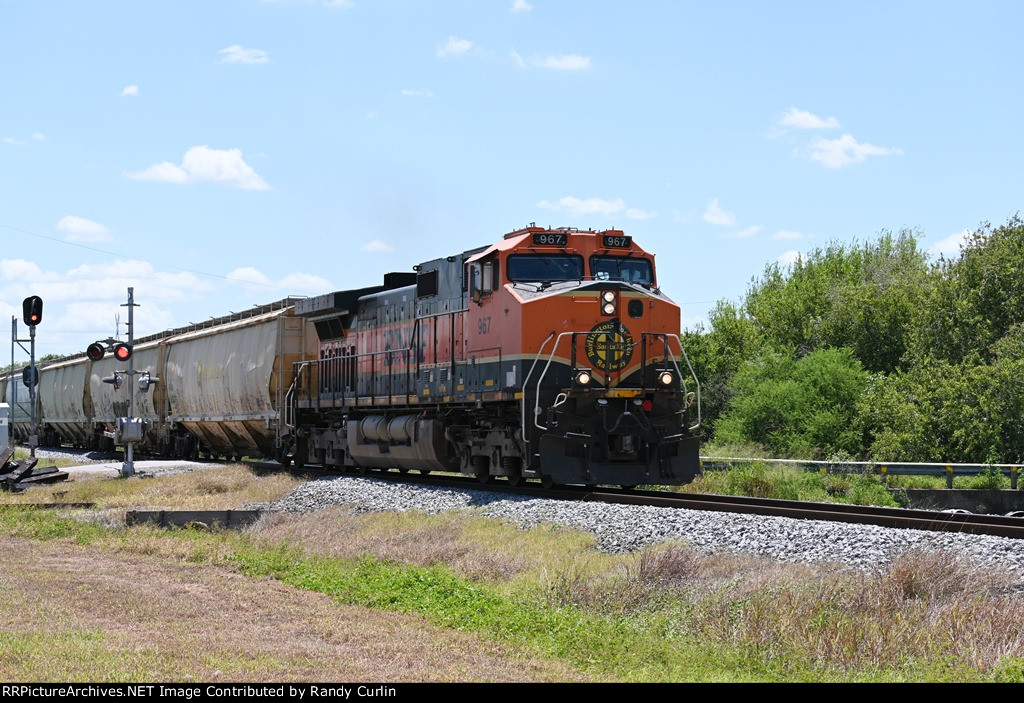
x: 519, y: 239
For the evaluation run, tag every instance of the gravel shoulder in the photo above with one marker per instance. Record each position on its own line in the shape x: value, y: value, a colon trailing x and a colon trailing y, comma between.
x: 624, y: 528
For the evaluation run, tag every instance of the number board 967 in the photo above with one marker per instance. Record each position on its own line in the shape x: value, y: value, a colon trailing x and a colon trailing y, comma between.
x: 551, y: 239
x: 621, y: 241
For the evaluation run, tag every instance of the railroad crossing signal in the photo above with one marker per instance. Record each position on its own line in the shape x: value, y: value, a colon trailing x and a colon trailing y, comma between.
x: 96, y: 350
x: 30, y: 376
x: 32, y: 310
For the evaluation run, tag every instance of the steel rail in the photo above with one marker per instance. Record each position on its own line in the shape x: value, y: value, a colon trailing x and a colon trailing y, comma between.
x: 902, y: 518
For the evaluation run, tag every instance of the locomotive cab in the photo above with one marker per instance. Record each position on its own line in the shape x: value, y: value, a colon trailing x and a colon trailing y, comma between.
x: 602, y: 379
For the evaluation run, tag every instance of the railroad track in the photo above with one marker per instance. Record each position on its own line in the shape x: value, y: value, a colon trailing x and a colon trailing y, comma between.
x: 934, y: 521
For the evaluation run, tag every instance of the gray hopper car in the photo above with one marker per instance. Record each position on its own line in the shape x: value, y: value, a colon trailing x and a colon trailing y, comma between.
x: 221, y: 387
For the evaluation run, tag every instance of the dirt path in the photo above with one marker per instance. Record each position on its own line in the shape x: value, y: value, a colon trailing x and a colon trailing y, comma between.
x: 70, y: 613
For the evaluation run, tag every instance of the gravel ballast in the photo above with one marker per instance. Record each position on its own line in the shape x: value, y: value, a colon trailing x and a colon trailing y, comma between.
x: 625, y: 528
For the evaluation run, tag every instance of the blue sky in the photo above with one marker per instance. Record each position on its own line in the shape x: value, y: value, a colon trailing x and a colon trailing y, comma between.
x: 216, y: 155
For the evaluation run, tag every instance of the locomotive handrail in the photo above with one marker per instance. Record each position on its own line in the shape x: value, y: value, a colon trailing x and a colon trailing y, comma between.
x: 551, y: 356
x: 526, y: 382
x: 406, y: 357
x: 289, y: 410
x: 692, y: 373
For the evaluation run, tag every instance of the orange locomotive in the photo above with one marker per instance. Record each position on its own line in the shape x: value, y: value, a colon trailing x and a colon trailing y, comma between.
x: 551, y: 354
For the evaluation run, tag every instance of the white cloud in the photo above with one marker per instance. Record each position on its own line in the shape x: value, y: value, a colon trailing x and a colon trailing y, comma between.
x: 836, y: 153
x: 454, y: 46
x: 130, y: 90
x: 747, y: 232
x: 789, y: 258
x: 950, y: 246
x: 638, y: 214
x: 378, y: 246
x: 566, y: 62
x: 591, y: 206
x: 293, y: 283
x: 15, y: 142
x: 717, y: 216
x: 79, y: 229
x: 203, y: 164
x: 787, y: 234
x: 520, y: 61
x: 521, y: 6
x: 304, y: 284
x: 801, y: 119
x: 247, y: 274
x: 406, y: 92
x: 39, y: 137
x: 236, y: 53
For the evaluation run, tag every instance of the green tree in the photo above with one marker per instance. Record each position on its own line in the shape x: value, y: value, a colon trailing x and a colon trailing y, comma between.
x: 804, y: 408
x: 862, y: 296
x: 978, y: 297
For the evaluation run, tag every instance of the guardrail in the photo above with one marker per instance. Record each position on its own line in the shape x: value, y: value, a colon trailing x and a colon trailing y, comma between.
x: 884, y: 469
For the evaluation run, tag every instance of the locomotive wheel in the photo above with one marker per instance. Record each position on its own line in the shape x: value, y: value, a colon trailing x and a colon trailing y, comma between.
x: 547, y: 482
x: 516, y: 480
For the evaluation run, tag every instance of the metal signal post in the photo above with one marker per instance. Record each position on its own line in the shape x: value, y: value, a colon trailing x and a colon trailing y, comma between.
x: 128, y: 469
x: 32, y: 308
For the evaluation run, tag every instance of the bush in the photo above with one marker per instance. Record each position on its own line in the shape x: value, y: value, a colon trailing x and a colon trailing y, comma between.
x: 802, y: 408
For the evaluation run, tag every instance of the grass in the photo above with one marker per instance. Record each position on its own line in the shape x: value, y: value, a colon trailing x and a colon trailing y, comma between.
x: 763, y: 480
x: 207, y: 489
x: 664, y: 614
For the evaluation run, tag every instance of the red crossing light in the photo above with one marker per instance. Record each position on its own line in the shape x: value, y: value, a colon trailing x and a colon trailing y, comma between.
x: 95, y: 351
x: 123, y: 352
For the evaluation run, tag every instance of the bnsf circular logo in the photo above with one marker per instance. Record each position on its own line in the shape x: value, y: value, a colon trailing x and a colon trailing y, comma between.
x: 609, y: 346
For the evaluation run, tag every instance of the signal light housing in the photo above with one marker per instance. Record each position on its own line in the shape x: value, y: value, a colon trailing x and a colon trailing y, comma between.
x: 95, y: 351
x: 32, y: 310
x: 123, y: 352
x: 608, y: 305
x: 583, y: 377
x: 666, y: 378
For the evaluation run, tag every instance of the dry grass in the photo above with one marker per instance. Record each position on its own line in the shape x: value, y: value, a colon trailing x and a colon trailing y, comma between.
x: 476, y: 548
x: 221, y: 488
x: 73, y: 613
x: 926, y: 606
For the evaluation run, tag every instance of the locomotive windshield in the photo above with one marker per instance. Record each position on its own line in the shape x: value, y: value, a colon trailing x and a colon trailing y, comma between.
x: 545, y: 267
x: 622, y: 268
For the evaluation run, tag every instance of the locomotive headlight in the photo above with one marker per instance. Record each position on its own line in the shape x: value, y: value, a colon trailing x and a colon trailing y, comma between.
x: 665, y: 378
x: 583, y: 378
x: 608, y: 302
